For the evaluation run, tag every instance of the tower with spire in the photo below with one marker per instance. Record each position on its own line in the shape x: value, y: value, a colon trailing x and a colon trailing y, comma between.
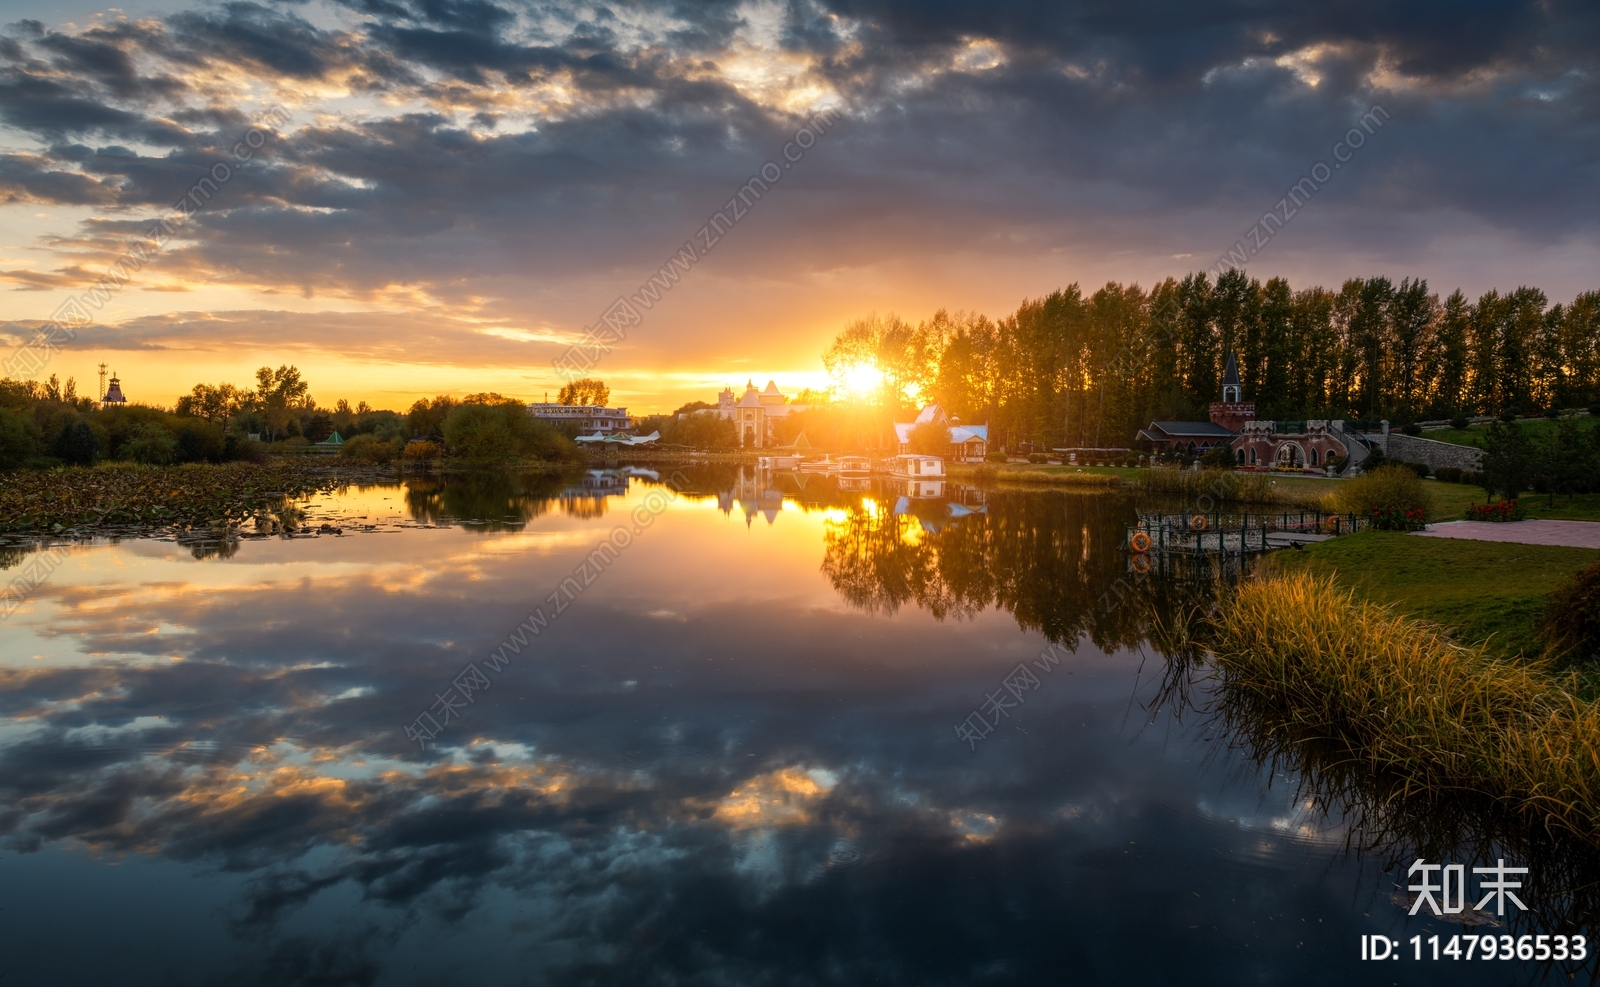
x: 114, y: 392
x: 1232, y: 411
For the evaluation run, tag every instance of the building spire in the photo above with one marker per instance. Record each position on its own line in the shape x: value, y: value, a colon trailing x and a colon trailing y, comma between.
x: 1230, y: 380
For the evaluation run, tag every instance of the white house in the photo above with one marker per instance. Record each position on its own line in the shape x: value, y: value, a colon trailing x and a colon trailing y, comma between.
x: 968, y: 443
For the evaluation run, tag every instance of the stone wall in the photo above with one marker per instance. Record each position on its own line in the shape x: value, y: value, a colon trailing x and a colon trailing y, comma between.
x: 1438, y: 455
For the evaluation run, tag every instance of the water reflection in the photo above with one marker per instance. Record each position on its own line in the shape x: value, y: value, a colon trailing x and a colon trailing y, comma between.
x: 730, y: 761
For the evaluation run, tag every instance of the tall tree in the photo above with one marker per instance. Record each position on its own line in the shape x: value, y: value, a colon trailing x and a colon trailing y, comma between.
x: 585, y: 391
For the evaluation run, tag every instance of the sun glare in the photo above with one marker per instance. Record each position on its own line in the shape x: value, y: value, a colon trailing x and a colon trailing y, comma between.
x: 862, y: 380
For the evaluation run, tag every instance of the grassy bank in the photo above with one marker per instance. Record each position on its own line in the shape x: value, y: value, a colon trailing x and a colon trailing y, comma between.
x: 1487, y: 593
x: 1539, y: 429
x: 1312, y: 662
x: 1087, y: 477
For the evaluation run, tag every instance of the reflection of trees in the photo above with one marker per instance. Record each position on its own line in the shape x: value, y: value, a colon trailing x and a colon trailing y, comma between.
x: 483, y: 501
x: 10, y: 555
x: 1050, y: 559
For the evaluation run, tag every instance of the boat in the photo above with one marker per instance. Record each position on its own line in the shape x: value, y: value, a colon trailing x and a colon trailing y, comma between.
x: 824, y: 465
x: 854, y: 467
x: 777, y: 462
x: 911, y: 466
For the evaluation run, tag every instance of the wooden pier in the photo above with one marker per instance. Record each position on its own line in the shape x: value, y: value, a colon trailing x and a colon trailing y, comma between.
x: 1234, y: 534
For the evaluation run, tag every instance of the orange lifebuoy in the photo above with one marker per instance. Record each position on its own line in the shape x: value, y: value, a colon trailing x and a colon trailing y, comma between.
x: 1140, y: 542
x: 1141, y: 564
x: 1197, y: 523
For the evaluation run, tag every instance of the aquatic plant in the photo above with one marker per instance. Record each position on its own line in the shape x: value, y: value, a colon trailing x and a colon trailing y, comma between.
x: 1313, y: 662
x: 127, y: 497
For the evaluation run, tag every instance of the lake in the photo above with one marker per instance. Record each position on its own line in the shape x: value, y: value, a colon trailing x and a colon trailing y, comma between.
x: 598, y: 730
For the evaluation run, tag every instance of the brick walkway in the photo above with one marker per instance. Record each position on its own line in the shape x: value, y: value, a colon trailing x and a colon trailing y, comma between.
x: 1578, y: 534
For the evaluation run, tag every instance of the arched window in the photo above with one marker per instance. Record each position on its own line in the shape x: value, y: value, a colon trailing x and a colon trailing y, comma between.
x: 1240, y: 453
x: 1313, y: 457
x: 1252, y: 457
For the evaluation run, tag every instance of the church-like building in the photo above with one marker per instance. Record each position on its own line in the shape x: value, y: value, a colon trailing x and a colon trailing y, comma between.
x: 756, y: 413
x: 1301, y: 445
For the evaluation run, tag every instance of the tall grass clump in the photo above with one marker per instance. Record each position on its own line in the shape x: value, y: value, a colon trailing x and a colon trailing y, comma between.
x: 1319, y: 665
x: 1385, y: 489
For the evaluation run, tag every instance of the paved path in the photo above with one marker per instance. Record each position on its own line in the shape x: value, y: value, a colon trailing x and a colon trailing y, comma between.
x: 1578, y: 534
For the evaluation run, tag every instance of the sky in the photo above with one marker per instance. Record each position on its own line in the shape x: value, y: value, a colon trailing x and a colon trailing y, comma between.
x: 447, y: 192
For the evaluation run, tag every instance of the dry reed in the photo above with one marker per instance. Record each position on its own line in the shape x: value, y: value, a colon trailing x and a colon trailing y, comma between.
x: 1400, y: 695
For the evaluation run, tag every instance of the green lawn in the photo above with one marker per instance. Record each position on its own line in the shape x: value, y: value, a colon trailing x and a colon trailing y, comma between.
x: 1537, y: 428
x: 1483, y: 591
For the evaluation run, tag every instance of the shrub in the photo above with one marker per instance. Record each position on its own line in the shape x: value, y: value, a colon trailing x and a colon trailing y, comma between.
x: 1388, y: 488
x: 1411, y: 428
x: 1571, y: 619
x: 152, y: 445
x: 1552, y: 412
x: 1459, y: 422
x: 1447, y: 474
x: 1472, y: 478
x: 1219, y: 457
x: 996, y: 456
x: 421, y: 451
x: 1506, y: 510
x: 1594, y: 409
x: 1037, y: 457
x: 1510, y: 415
x: 1421, y: 469
x: 370, y: 449
x: 1395, y: 519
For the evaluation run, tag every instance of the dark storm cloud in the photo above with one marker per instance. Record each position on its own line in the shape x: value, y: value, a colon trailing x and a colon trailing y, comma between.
x: 523, y: 145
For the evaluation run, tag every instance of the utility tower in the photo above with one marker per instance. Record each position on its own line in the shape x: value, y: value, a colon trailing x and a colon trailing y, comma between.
x: 102, y: 396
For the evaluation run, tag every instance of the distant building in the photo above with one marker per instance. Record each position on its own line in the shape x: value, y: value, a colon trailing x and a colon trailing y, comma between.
x: 968, y: 443
x: 589, y: 418
x: 1233, y: 425
x: 330, y: 446
x: 114, y: 392
x: 756, y: 413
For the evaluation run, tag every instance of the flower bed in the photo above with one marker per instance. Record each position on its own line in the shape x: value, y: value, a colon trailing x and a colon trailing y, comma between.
x: 1398, y: 519
x: 1506, y: 510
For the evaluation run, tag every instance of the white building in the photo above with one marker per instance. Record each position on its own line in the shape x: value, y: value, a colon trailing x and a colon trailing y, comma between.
x: 968, y: 443
x: 589, y: 418
x: 756, y: 413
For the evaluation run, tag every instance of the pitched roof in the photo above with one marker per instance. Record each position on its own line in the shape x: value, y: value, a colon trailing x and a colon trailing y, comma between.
x: 1230, y: 374
x: 1189, y: 429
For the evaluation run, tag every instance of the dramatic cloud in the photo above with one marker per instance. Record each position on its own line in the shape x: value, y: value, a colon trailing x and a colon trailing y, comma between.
x: 523, y: 163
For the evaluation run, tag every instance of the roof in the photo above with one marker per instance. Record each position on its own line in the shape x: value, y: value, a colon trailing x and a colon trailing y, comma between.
x: 1230, y: 374
x: 958, y: 433
x: 332, y: 440
x: 929, y: 414
x: 772, y: 389
x: 1174, y: 429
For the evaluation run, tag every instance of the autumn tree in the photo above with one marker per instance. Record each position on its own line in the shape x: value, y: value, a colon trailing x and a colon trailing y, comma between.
x: 586, y: 391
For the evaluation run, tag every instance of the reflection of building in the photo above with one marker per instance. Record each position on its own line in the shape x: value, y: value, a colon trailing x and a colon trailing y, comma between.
x: 752, y: 496
x: 756, y: 413
x: 588, y: 417
x: 114, y: 393
x: 968, y: 443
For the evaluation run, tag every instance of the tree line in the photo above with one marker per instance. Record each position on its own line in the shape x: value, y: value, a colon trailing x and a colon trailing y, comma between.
x: 1078, y: 370
x: 45, y: 424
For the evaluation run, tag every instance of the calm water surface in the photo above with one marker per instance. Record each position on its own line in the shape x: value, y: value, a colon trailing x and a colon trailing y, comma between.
x: 729, y: 757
